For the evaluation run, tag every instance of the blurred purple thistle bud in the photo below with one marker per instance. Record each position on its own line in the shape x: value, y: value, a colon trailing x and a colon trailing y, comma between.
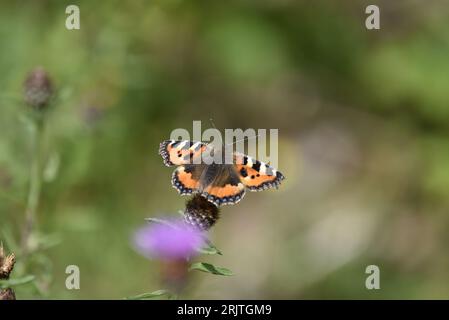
x: 171, y: 241
x: 38, y: 89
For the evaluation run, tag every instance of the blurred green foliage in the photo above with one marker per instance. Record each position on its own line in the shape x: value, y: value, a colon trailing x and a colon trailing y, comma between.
x: 364, y: 140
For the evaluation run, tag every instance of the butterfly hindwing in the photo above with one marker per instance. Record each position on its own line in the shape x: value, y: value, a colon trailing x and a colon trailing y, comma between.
x: 187, y: 178
x: 226, y: 188
x: 179, y: 152
x: 257, y: 175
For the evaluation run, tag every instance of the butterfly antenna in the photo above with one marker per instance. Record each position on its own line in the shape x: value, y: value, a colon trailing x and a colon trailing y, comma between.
x: 213, y: 125
x: 212, y: 122
x: 232, y: 143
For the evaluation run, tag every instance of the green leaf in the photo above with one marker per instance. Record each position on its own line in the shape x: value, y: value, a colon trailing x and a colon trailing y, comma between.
x: 150, y: 295
x: 210, y: 268
x: 210, y: 249
x: 16, y: 282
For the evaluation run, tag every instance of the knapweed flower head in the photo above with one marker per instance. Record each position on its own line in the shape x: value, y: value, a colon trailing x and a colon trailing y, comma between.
x: 6, y: 267
x: 38, y: 89
x: 6, y: 263
x: 172, y: 240
x: 201, y: 213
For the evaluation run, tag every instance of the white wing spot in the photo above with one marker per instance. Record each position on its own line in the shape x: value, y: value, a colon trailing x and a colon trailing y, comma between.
x: 263, y: 168
x: 195, y: 146
x: 182, y: 144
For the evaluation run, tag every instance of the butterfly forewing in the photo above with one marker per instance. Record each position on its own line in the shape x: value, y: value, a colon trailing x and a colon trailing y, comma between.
x: 257, y: 175
x: 177, y: 152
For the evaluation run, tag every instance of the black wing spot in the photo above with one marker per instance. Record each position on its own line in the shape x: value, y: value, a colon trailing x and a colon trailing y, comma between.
x: 256, y: 166
x: 243, y: 172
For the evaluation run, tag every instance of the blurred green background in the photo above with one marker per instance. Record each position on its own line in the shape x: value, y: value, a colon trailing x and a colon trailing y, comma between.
x: 363, y: 141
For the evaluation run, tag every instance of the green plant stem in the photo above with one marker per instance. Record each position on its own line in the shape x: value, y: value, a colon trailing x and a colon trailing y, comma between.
x: 35, y: 184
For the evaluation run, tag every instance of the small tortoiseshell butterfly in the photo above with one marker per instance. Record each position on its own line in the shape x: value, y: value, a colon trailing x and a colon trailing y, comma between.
x: 219, y: 183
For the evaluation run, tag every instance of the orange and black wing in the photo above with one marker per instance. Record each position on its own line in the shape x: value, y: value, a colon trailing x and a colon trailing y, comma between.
x: 257, y: 175
x: 186, y: 178
x: 177, y: 152
x: 225, y: 188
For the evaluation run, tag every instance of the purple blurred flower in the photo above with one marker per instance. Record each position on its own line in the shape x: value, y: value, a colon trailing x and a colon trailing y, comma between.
x: 173, y: 240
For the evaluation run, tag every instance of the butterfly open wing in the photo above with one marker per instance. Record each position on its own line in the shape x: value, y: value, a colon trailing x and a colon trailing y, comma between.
x: 220, y: 184
x: 177, y: 152
x: 257, y: 175
x: 187, y: 178
x: 226, y: 188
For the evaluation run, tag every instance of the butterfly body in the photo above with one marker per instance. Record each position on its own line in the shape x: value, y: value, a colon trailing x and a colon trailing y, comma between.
x: 220, y: 183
